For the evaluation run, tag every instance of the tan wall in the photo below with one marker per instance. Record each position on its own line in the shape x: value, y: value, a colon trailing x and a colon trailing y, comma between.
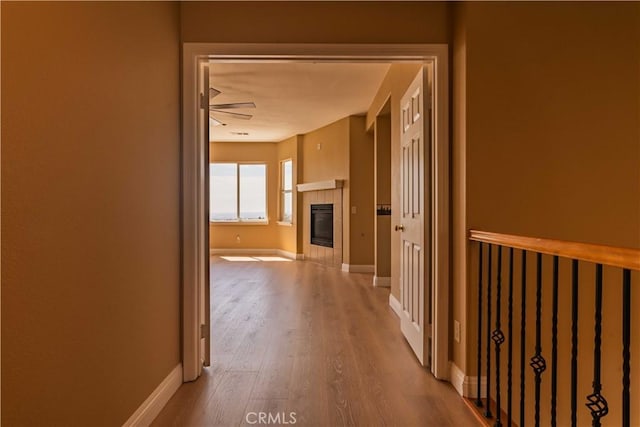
x: 567, y: 128
x: 394, y: 85
x: 249, y: 236
x: 382, y: 129
x: 299, y: 178
x: 287, y: 235
x: 315, y: 22
x: 458, y: 190
x: 548, y: 138
x: 331, y: 161
x: 361, y: 230
x: 90, y: 209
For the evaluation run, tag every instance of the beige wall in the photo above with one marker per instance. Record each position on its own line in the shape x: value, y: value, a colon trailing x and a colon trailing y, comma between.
x: 547, y: 142
x: 315, y: 22
x: 566, y: 127
x: 249, y: 236
x: 459, y: 229
x: 90, y: 209
x: 287, y: 235
x: 393, y: 87
x: 325, y: 154
x: 361, y: 196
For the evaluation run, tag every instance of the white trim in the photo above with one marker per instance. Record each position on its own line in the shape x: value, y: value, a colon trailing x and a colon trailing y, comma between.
x: 381, y: 282
x: 466, y: 386
x: 456, y: 378
x: 358, y: 268
x: 151, y: 407
x: 193, y: 220
x: 320, y: 185
x: 395, y: 305
x: 237, y: 251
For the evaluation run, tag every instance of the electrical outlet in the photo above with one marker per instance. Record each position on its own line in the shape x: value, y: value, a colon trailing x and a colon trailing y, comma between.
x: 456, y: 331
x: 354, y: 210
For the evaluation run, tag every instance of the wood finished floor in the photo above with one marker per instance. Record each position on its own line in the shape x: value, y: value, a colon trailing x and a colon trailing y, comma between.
x: 300, y: 337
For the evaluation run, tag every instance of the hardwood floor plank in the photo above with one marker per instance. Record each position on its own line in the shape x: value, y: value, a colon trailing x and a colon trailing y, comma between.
x: 298, y: 337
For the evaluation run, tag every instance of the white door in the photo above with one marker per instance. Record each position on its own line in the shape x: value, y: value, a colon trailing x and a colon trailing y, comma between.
x: 415, y: 217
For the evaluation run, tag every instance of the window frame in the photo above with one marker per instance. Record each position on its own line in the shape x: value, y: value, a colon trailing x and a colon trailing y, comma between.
x: 239, y: 220
x: 282, y: 192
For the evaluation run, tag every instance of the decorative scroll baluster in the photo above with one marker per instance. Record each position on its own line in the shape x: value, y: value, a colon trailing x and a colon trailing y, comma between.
x: 537, y: 361
x: 554, y: 344
x: 531, y: 348
x: 626, y: 341
x: 478, y: 391
x: 596, y: 403
x: 497, y: 336
x: 574, y: 341
x: 523, y: 324
x: 487, y: 407
x: 510, y: 340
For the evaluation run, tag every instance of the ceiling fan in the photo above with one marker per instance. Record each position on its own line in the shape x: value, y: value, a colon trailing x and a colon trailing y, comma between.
x: 215, y: 109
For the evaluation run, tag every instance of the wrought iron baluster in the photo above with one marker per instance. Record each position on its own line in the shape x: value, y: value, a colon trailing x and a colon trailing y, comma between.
x: 537, y: 361
x: 478, y: 401
x: 487, y: 407
x: 626, y: 341
x: 523, y: 324
x: 596, y: 402
x: 497, y: 336
x: 574, y: 341
x: 554, y: 344
x: 510, y: 341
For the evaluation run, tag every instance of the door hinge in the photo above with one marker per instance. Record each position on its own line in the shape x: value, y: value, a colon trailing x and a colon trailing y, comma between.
x: 204, y: 102
x: 203, y: 331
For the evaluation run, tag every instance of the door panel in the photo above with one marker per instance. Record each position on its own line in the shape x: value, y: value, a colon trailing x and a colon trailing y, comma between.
x: 414, y: 219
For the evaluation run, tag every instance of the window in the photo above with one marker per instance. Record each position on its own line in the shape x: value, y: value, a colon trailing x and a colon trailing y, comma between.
x: 238, y: 192
x: 286, y: 191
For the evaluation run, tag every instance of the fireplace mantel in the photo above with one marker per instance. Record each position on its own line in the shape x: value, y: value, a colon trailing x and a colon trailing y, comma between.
x: 320, y: 185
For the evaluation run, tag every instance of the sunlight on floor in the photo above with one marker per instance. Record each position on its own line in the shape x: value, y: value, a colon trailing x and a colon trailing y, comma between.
x: 254, y: 259
x: 238, y: 258
x: 273, y: 258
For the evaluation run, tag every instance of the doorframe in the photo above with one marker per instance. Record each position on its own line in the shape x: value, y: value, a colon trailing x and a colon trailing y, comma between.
x: 193, y: 228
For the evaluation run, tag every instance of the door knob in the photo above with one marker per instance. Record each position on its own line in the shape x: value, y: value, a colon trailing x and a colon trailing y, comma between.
x: 399, y: 227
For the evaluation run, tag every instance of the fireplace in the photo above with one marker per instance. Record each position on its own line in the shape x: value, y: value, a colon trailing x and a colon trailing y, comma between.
x: 322, y: 225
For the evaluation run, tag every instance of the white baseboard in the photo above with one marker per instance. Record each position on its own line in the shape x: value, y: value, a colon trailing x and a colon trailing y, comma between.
x: 395, y: 305
x: 466, y: 386
x: 238, y: 251
x: 381, y: 282
x: 358, y: 268
x: 151, y: 407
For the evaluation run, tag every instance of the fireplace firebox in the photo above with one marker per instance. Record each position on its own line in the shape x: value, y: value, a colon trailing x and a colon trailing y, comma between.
x: 322, y: 225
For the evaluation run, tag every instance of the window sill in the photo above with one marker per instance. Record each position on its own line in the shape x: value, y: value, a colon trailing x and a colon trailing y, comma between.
x: 285, y: 224
x: 239, y: 222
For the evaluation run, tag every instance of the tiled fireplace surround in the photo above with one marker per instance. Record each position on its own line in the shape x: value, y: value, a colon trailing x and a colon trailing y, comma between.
x: 321, y: 254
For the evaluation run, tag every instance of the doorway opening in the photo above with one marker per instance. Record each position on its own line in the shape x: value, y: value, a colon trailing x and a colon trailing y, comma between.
x: 195, y: 160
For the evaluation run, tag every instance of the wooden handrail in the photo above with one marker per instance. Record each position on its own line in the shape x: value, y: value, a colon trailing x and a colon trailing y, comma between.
x: 600, y: 254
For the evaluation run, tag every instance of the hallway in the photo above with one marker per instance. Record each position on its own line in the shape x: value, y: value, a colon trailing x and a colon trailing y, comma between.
x: 296, y: 337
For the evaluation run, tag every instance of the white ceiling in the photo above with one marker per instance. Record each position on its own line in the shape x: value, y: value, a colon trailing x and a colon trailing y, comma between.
x: 291, y: 98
